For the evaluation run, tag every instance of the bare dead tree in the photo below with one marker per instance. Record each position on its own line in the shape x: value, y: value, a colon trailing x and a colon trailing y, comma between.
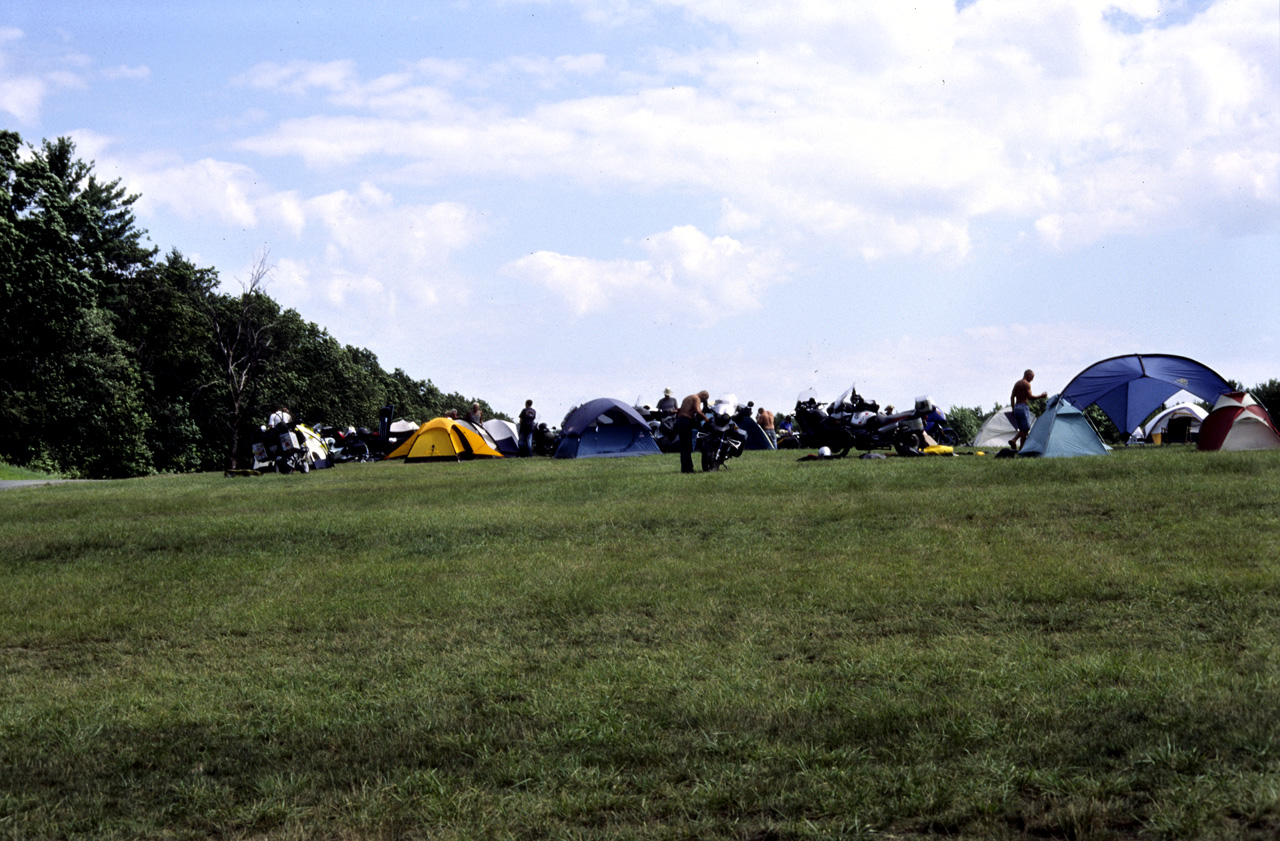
x: 241, y: 343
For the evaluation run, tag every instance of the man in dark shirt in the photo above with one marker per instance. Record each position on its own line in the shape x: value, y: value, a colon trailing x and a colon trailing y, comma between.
x: 527, y: 416
x: 687, y: 416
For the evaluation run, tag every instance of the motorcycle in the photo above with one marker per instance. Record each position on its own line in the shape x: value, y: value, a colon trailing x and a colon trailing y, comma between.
x: 720, y: 439
x: 346, y: 445
x: 852, y: 422
x: 283, y: 447
x: 935, y: 427
x: 544, y: 440
x: 662, y: 425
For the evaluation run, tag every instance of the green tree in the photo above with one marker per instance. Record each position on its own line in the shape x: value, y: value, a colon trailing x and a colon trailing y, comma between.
x: 115, y: 364
x: 64, y: 377
x: 965, y: 421
x: 160, y: 315
x: 1107, y: 431
x: 241, y: 336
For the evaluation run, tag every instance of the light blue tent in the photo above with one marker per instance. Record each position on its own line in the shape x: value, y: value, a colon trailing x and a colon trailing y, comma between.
x: 1062, y: 431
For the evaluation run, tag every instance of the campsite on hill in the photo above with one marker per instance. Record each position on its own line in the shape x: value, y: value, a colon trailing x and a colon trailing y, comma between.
x: 603, y: 648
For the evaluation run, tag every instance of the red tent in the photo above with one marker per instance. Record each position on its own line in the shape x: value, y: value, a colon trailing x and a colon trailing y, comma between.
x: 1238, y: 422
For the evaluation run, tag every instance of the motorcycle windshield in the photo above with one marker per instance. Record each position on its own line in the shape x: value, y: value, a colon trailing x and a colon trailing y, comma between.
x: 807, y: 395
x: 726, y: 405
x: 845, y: 398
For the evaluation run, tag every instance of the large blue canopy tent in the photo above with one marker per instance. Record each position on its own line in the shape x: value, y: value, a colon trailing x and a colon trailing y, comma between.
x: 605, y: 427
x: 1129, y: 388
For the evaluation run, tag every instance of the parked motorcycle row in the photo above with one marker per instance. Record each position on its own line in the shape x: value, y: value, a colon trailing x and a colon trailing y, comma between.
x: 851, y: 422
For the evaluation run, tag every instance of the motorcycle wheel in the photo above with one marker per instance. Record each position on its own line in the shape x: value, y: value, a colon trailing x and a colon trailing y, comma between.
x: 708, y: 462
x: 283, y: 466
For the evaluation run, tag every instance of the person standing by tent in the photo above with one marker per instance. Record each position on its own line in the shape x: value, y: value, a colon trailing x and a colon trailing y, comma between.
x: 475, y: 417
x: 527, y: 417
x: 765, y: 418
x: 687, y: 416
x: 1021, y: 399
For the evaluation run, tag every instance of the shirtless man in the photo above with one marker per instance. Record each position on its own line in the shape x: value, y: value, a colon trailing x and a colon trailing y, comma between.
x: 765, y: 418
x: 1021, y: 399
x: 688, y: 416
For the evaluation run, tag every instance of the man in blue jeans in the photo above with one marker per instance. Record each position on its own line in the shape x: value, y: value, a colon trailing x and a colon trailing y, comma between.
x: 688, y: 416
x: 1021, y: 400
x: 527, y: 417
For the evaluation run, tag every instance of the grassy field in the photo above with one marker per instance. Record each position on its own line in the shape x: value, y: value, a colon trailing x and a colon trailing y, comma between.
x: 946, y: 647
x: 8, y: 471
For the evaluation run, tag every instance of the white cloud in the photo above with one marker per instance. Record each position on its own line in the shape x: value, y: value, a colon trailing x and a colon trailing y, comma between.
x: 208, y: 189
x: 124, y: 71
x: 889, y: 127
x: 22, y: 96
x: 687, y: 274
x: 301, y: 77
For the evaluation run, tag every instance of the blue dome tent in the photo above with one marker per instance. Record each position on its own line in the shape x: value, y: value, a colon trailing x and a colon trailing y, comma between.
x: 1061, y: 432
x: 1129, y: 388
x: 605, y: 427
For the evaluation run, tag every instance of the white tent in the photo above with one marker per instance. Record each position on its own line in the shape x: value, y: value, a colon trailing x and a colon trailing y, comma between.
x: 504, y: 434
x: 1160, y: 422
x: 402, y: 425
x: 997, y: 430
x: 401, y: 430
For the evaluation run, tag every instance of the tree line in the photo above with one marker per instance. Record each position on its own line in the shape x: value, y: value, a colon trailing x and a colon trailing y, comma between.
x: 116, y: 362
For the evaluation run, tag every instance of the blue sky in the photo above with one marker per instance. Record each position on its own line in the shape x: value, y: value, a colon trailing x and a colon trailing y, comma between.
x: 569, y: 199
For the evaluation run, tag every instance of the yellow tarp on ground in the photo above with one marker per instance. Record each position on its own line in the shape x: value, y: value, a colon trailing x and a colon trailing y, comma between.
x: 444, y: 439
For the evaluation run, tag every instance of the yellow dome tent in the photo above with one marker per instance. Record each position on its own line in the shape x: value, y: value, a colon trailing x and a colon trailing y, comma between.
x: 446, y: 439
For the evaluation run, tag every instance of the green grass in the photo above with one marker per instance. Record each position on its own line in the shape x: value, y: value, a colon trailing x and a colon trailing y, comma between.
x: 945, y: 647
x: 8, y: 471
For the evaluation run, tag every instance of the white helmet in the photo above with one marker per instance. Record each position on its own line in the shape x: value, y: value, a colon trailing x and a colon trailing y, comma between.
x: 824, y: 452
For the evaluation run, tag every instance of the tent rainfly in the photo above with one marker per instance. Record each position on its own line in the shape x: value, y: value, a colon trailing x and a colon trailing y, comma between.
x: 1062, y: 431
x: 1238, y: 422
x: 1128, y: 388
